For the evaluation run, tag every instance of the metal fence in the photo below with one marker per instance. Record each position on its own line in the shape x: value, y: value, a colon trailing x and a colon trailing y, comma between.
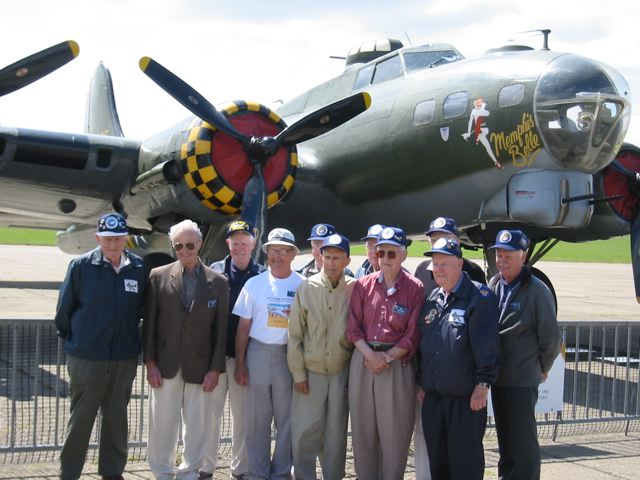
x: 600, y: 392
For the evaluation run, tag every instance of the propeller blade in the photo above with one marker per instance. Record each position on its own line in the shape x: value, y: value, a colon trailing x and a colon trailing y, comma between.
x: 325, y: 119
x: 635, y: 254
x: 631, y: 175
x: 254, y: 207
x: 34, y: 67
x: 189, y: 98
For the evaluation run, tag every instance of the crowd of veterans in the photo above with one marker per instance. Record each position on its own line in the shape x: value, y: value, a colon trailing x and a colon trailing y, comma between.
x: 304, y: 356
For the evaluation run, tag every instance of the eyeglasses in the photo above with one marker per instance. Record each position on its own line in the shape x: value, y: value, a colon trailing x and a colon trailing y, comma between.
x: 280, y: 252
x: 178, y: 246
x: 389, y: 253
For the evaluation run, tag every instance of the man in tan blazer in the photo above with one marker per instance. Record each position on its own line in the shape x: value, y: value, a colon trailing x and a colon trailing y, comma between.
x: 184, y: 336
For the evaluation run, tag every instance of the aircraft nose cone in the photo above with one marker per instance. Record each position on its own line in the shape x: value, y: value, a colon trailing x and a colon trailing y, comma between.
x: 582, y: 109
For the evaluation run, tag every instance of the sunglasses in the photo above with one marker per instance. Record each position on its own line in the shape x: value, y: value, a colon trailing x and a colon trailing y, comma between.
x: 389, y: 253
x: 178, y: 246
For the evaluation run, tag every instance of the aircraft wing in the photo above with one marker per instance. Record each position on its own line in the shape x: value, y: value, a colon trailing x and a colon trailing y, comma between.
x: 54, y: 180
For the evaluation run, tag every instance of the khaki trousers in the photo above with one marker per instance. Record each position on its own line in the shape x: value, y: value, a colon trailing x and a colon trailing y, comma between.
x: 319, y: 426
x: 174, y: 405
x: 382, y: 417
x: 239, y: 465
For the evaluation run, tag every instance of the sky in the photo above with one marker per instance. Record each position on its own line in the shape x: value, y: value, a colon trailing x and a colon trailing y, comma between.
x: 269, y: 51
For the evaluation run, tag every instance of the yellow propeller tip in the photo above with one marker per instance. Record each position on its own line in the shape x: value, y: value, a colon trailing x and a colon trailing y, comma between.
x: 74, y: 47
x: 367, y: 99
x: 144, y: 63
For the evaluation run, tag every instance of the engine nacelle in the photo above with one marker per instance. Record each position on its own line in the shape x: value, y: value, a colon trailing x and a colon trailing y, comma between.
x: 200, y: 173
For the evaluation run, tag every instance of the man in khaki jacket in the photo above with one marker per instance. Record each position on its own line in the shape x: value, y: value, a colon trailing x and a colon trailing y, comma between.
x: 318, y: 355
x: 184, y: 337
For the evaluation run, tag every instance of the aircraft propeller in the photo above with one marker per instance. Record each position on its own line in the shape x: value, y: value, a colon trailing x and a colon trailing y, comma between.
x: 32, y: 68
x: 633, y: 182
x: 258, y: 149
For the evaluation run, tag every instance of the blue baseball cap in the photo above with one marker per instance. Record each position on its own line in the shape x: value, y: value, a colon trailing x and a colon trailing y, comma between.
x: 373, y: 231
x: 392, y: 236
x: 337, y: 241
x: 239, y: 226
x: 443, y: 224
x: 447, y: 246
x: 112, y: 225
x: 321, y: 231
x: 511, y: 240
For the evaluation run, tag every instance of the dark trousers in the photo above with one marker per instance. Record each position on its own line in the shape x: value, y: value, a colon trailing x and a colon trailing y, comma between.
x: 97, y: 385
x: 514, y: 413
x: 453, y: 433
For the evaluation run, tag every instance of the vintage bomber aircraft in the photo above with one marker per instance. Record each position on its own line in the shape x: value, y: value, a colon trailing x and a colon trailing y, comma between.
x: 517, y: 137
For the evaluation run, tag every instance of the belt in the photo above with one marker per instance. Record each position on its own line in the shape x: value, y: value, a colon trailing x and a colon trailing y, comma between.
x: 380, y: 347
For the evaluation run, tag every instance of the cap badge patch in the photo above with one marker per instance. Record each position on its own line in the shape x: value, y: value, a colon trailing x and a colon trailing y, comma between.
x: 387, y: 233
x: 375, y: 230
x: 335, y: 239
x: 440, y: 243
x: 111, y: 222
x: 321, y: 230
x: 505, y: 237
x: 439, y: 222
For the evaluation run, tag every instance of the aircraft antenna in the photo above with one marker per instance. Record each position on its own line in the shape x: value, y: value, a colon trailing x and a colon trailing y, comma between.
x: 336, y: 57
x: 545, y: 33
x: 408, y: 39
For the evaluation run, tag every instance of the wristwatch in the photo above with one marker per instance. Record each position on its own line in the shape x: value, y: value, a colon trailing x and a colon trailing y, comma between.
x: 483, y: 385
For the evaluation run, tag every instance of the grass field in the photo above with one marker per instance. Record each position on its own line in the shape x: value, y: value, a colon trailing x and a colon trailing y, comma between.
x: 27, y: 236
x: 614, y: 250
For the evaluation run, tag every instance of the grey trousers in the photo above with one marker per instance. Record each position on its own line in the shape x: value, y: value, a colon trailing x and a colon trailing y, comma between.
x: 268, y: 398
x: 382, y: 417
x: 105, y: 386
x: 319, y: 426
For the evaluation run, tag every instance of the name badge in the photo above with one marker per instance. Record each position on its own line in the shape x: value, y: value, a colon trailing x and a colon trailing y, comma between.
x: 457, y: 316
x: 130, y: 285
x: 397, y: 308
x: 211, y: 303
x: 515, y: 306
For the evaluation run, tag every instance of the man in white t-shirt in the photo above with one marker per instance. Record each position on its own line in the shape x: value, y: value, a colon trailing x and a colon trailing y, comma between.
x: 263, y: 306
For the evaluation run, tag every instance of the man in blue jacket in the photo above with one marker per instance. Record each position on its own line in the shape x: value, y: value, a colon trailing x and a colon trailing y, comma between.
x: 459, y: 350
x: 98, y: 313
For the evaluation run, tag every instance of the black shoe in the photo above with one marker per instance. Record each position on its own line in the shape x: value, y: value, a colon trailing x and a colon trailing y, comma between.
x: 112, y: 477
x: 204, y: 475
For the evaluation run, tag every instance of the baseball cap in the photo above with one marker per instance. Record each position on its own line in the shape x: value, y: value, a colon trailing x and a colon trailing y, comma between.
x: 321, y: 230
x: 280, y: 236
x: 443, y: 224
x: 373, y: 231
x: 511, y: 240
x: 112, y: 225
x: 338, y: 241
x: 448, y: 246
x: 392, y: 236
x: 239, y: 226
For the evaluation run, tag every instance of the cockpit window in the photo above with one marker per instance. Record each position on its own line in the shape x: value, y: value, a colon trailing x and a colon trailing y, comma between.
x: 418, y: 60
x: 364, y: 77
x: 388, y: 69
x: 511, y: 95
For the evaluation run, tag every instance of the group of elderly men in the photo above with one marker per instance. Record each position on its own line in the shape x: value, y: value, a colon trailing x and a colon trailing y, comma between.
x: 305, y: 352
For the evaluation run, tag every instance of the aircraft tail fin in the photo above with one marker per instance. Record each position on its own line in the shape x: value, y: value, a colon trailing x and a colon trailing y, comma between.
x: 101, y: 116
